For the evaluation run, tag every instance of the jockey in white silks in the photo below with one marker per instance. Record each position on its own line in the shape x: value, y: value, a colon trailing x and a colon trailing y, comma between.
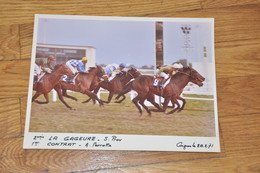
x: 165, y: 71
x: 113, y: 69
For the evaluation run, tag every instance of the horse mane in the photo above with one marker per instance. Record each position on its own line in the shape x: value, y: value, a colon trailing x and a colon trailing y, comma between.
x: 57, y: 66
x: 91, y: 69
x: 186, y: 68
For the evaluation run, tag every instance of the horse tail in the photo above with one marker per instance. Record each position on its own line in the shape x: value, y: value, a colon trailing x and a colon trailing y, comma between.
x: 126, y: 89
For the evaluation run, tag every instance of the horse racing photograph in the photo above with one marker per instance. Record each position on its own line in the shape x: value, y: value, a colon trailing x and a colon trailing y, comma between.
x: 123, y: 76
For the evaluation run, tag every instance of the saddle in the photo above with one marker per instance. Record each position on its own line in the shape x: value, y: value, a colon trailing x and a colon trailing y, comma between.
x: 69, y: 79
x: 65, y: 78
x: 158, y: 82
x: 161, y: 82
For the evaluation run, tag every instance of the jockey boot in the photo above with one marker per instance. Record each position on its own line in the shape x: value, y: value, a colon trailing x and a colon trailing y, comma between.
x: 70, y: 78
x: 161, y: 83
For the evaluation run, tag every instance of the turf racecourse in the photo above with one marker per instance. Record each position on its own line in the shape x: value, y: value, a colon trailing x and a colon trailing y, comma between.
x: 197, y: 119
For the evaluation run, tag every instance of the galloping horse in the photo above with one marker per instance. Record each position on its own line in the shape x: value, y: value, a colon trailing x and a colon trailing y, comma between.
x: 49, y: 81
x: 84, y: 83
x: 116, y: 85
x: 143, y: 86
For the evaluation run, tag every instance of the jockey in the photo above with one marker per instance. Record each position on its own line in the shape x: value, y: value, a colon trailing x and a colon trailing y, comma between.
x: 122, y: 67
x: 76, y: 66
x: 166, y: 70
x: 113, y: 69
x: 109, y: 69
x: 42, y: 66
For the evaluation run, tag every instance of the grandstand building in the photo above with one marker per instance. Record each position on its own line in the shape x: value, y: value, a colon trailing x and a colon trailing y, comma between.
x: 63, y: 53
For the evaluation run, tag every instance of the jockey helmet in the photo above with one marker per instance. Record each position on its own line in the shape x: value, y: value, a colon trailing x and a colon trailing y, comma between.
x: 122, y: 65
x: 84, y: 59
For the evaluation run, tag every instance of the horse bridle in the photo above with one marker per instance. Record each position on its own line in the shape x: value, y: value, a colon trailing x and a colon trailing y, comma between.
x: 130, y: 74
x: 191, y: 76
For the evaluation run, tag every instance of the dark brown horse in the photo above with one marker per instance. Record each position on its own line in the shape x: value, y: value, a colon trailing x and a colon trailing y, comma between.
x: 116, y: 85
x: 143, y: 86
x: 84, y: 83
x: 49, y: 81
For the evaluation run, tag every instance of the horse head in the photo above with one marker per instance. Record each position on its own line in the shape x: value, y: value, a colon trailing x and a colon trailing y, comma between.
x: 133, y: 72
x: 195, y: 76
x: 100, y: 71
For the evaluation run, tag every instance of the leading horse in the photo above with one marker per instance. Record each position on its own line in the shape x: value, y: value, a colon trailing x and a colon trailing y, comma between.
x: 84, y: 83
x: 143, y: 86
x: 49, y: 81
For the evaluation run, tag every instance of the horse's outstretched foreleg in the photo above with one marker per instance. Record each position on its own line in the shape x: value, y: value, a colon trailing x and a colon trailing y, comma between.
x: 64, y: 93
x: 144, y: 106
x: 174, y: 101
x: 36, y: 95
x: 183, y: 103
x: 151, y: 99
x: 110, y: 96
x: 121, y: 99
x: 46, y: 97
x: 166, y: 102
x: 135, y: 101
x: 58, y: 90
x: 87, y: 100
x: 94, y: 97
x: 94, y: 101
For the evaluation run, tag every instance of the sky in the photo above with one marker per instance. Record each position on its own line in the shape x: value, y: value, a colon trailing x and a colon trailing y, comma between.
x: 130, y: 42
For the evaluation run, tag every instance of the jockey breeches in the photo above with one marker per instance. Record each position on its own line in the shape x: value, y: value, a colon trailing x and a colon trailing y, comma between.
x: 37, y: 70
x: 164, y: 75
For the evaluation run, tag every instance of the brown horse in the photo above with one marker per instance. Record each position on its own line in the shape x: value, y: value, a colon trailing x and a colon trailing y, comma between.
x: 143, y: 86
x: 116, y: 85
x: 84, y: 83
x: 49, y: 81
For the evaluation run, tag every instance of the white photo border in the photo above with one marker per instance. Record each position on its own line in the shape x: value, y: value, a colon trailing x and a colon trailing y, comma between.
x: 33, y: 140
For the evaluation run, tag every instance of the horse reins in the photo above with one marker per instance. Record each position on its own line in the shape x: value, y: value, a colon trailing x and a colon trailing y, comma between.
x: 130, y: 74
x: 196, y: 78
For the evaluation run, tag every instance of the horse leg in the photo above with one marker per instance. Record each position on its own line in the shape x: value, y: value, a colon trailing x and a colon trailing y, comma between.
x: 151, y: 99
x: 93, y: 96
x: 58, y: 90
x: 46, y: 97
x: 183, y: 103
x: 144, y: 106
x: 174, y: 101
x: 94, y: 101
x: 111, y: 94
x: 64, y: 93
x: 36, y: 95
x: 165, y: 104
x: 121, y: 99
x: 87, y: 100
x: 135, y: 101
